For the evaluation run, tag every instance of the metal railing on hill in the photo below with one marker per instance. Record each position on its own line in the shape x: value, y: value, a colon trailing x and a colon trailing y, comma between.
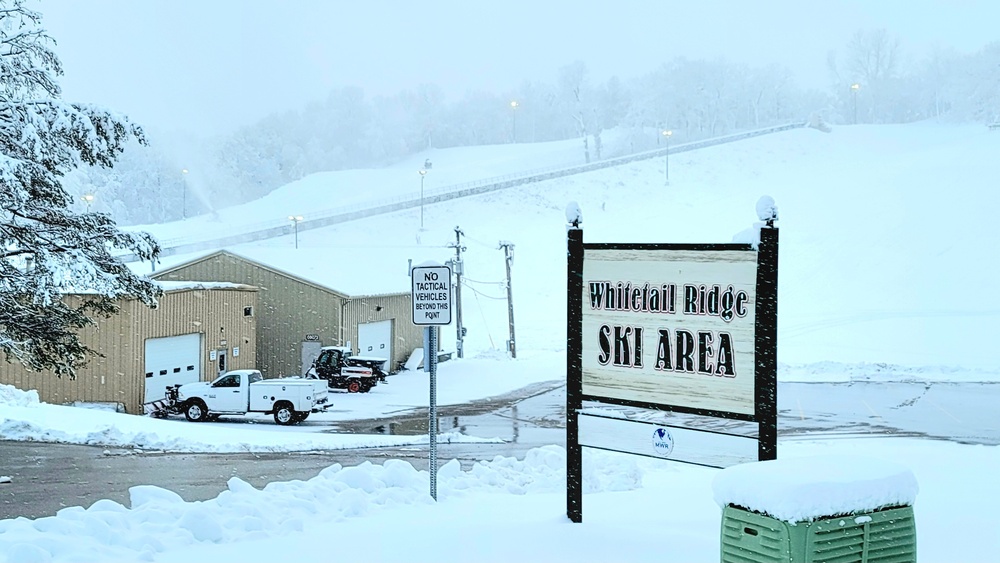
x: 341, y: 214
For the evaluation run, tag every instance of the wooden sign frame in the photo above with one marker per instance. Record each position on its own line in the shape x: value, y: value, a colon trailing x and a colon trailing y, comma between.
x: 624, y: 376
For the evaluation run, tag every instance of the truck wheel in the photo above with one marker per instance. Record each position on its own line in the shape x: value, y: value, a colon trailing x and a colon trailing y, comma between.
x: 353, y: 387
x: 284, y: 414
x: 196, y: 411
x: 301, y: 416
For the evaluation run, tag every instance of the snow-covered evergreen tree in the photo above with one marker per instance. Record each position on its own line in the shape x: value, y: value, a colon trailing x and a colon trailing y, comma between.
x: 47, y: 250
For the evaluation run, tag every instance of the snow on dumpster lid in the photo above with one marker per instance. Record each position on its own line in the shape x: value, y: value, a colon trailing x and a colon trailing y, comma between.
x: 809, y: 488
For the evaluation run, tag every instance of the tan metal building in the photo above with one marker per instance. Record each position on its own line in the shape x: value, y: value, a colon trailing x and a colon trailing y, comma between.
x: 298, y: 316
x: 196, y: 331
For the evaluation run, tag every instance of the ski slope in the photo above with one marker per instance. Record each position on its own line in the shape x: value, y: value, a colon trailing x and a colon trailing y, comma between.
x: 887, y: 238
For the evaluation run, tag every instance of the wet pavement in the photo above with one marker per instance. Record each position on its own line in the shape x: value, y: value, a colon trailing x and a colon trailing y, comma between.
x: 48, y: 477
x: 958, y: 412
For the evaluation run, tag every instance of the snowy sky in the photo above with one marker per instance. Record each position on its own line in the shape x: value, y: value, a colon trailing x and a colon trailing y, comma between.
x: 196, y: 66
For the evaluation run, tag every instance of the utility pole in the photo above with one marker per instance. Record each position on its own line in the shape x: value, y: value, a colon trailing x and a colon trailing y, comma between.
x: 508, y: 250
x: 457, y: 266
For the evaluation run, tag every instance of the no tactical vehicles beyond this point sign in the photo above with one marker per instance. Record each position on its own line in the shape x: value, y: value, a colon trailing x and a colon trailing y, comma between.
x: 431, y: 295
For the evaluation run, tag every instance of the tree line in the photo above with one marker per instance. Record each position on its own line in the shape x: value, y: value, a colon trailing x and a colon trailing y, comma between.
x: 871, y: 81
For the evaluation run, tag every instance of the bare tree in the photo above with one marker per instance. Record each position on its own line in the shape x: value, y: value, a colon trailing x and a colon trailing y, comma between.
x: 572, y: 79
x: 873, y: 62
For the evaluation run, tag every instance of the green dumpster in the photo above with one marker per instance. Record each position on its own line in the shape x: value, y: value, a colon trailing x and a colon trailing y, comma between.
x: 820, y: 509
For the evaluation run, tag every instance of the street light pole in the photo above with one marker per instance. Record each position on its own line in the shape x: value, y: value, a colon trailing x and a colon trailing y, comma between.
x: 513, y: 120
x: 423, y: 174
x: 666, y: 163
x: 184, y: 194
x: 88, y: 199
x: 854, y: 93
x: 295, y: 219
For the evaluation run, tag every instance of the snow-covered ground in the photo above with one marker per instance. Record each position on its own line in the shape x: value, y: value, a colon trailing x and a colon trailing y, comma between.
x: 22, y: 417
x: 886, y: 253
x: 505, y: 509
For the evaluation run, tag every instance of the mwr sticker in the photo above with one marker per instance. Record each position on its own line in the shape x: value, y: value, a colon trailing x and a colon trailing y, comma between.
x: 663, y: 442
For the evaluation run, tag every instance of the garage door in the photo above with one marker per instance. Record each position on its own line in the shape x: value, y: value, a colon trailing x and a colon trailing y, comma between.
x: 169, y: 361
x: 375, y: 339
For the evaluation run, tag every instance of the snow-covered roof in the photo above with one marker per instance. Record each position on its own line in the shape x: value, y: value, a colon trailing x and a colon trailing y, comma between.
x: 348, y: 273
x: 169, y: 286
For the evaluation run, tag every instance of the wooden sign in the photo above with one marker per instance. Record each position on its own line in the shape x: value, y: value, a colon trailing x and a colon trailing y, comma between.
x: 670, y: 327
x: 685, y: 328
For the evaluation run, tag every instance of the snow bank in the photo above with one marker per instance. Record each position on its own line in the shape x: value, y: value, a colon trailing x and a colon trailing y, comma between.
x: 804, y: 489
x: 160, y: 519
x: 14, y: 397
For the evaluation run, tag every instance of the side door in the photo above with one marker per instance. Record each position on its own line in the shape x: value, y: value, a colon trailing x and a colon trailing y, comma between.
x: 227, y: 394
x: 223, y: 364
x: 310, y: 351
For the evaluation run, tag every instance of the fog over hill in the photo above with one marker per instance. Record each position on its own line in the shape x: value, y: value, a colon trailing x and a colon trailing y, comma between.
x: 882, y: 235
x: 345, y: 87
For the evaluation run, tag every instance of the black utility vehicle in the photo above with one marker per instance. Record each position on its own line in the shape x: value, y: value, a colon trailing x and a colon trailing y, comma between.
x: 341, y: 370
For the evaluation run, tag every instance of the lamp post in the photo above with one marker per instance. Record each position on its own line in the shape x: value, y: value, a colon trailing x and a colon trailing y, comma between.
x: 88, y: 199
x: 184, y: 194
x: 296, y: 219
x: 854, y: 93
x: 513, y: 120
x: 666, y: 163
x: 423, y: 174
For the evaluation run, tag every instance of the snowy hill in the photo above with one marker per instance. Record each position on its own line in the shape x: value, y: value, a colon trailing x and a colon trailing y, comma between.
x: 886, y: 234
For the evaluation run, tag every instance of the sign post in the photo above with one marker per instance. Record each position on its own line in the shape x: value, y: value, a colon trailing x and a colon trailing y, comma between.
x: 432, y: 306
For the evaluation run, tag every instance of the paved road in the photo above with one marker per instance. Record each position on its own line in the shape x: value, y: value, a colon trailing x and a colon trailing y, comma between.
x: 48, y: 477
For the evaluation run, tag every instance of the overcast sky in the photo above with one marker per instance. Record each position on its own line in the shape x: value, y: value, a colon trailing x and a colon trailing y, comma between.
x: 212, y: 65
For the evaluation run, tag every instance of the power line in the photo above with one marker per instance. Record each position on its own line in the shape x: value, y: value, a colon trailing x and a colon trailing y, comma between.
x: 479, y: 242
x: 485, y: 324
x: 500, y: 283
x: 473, y: 290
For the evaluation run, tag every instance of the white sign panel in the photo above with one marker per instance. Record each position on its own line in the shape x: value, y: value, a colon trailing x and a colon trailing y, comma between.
x: 670, y: 327
x: 666, y: 442
x: 432, y: 295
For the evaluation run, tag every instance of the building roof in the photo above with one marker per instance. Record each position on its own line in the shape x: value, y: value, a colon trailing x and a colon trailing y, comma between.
x: 172, y: 286
x: 347, y: 276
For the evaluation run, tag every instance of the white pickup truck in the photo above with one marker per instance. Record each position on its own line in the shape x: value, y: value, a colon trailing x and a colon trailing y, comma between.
x: 243, y: 391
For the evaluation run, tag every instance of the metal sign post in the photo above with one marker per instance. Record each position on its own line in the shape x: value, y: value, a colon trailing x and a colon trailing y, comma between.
x: 432, y: 306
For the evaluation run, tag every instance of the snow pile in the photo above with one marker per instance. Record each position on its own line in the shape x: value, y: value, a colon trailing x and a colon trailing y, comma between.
x: 543, y: 470
x: 804, y: 489
x: 160, y: 519
x: 14, y: 397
